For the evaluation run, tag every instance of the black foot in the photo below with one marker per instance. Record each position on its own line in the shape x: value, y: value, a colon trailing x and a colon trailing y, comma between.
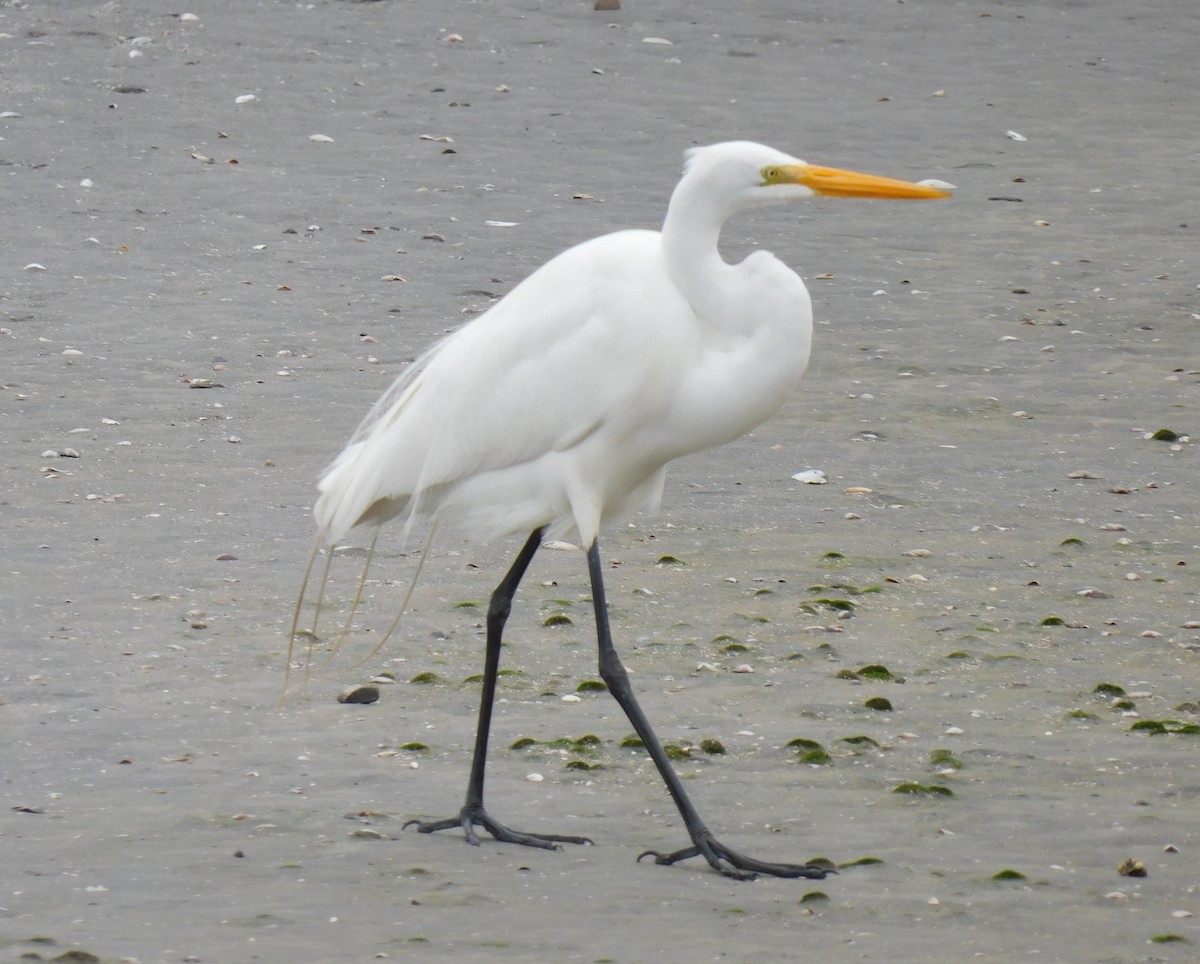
x: 471, y: 817
x: 733, y: 864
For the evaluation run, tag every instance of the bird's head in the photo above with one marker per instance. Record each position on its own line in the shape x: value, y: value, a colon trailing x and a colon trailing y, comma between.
x: 744, y: 173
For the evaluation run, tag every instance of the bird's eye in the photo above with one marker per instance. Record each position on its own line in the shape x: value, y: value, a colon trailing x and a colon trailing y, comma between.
x: 770, y: 175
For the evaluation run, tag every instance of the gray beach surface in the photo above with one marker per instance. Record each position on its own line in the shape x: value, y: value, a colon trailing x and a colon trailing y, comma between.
x: 225, y: 234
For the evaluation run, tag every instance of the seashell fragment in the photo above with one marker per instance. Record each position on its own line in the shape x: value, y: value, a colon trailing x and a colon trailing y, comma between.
x: 320, y: 138
x: 245, y: 98
x: 811, y: 476
x: 1013, y: 135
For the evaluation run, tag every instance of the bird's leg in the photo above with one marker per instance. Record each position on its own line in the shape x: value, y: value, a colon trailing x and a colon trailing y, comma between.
x: 473, y: 813
x: 724, y: 859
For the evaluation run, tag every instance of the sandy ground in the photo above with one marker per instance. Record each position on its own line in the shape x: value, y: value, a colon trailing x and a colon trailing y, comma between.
x: 989, y: 367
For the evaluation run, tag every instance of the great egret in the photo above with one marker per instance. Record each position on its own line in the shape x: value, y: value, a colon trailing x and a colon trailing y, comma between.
x: 556, y: 411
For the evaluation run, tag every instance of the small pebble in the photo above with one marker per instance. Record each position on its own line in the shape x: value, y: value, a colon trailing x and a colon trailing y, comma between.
x: 1131, y: 867
x: 534, y: 777
x: 359, y: 694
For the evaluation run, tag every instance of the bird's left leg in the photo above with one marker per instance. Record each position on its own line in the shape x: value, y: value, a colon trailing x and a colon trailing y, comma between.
x: 473, y: 814
x: 722, y: 858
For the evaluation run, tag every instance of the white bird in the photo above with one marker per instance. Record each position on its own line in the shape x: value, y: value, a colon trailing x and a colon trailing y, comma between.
x: 556, y: 411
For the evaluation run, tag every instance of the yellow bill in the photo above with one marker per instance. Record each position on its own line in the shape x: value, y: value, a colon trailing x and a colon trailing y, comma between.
x: 832, y: 182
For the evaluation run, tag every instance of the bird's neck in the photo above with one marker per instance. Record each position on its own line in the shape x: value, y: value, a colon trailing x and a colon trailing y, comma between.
x: 690, y: 236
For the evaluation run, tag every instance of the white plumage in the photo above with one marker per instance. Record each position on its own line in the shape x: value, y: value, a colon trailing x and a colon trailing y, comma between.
x: 561, y: 404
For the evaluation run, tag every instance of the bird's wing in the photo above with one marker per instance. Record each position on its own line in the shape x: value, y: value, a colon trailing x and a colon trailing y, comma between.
x: 584, y: 341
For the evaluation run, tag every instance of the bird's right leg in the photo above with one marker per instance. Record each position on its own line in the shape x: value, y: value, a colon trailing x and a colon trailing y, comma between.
x: 473, y: 814
x: 722, y: 858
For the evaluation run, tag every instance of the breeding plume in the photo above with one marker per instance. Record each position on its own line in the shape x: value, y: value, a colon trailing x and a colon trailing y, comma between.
x: 556, y: 412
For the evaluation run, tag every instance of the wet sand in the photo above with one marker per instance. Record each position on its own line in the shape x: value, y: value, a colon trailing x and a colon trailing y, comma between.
x: 988, y: 367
